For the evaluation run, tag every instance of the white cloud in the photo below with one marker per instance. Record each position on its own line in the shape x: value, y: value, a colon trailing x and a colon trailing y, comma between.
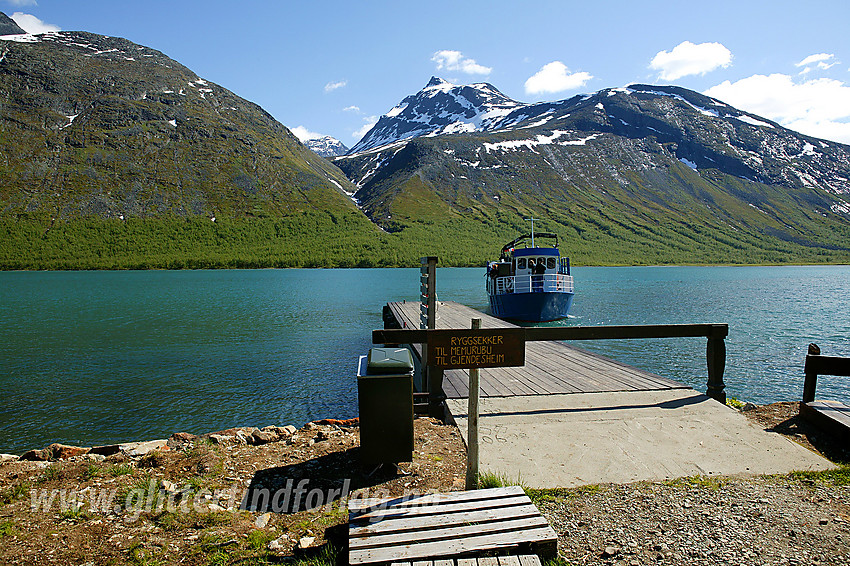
x: 816, y: 107
x: 31, y: 24
x: 335, y: 85
x: 555, y: 77
x: 22, y: 3
x: 690, y: 59
x: 816, y: 58
x: 304, y: 134
x: 455, y: 61
x: 352, y: 108
x: 368, y: 123
x: 824, y: 62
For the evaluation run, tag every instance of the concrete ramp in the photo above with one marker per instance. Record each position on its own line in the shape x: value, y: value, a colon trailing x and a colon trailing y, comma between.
x: 586, y: 438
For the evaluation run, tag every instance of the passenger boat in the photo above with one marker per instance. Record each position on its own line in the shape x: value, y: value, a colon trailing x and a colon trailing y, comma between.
x: 530, y: 283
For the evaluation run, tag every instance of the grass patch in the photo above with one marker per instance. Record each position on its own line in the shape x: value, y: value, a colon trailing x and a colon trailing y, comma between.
x: 839, y: 477
x: 326, y: 557
x: 735, y: 403
x: 74, y: 515
x: 539, y: 496
x: 92, y: 471
x: 116, y: 470
x: 142, y: 556
x: 169, y: 520
x: 488, y: 480
x: 7, y: 528
x: 213, y: 519
x: 17, y: 491
x: 557, y: 561
x: 50, y: 473
x: 259, y: 539
x: 333, y: 516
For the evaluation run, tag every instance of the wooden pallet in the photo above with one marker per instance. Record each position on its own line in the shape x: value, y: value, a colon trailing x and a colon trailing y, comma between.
x: 447, y: 526
x: 523, y: 560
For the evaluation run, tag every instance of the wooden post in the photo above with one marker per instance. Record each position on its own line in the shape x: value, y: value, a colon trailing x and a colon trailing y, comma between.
x: 811, y: 382
x: 436, y: 396
x: 432, y: 378
x: 472, y: 424
x: 715, y: 354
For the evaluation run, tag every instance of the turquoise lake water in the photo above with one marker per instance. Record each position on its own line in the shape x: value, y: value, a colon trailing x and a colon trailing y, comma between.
x: 98, y: 357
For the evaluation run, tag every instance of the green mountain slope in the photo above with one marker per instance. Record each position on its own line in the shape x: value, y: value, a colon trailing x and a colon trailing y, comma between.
x: 114, y: 155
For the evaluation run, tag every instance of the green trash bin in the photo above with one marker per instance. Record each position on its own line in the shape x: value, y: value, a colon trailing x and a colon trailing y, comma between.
x: 385, y: 400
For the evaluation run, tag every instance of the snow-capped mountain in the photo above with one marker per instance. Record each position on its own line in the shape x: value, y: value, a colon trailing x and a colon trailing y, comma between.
x: 702, y: 132
x: 442, y: 108
x: 327, y: 146
x: 635, y: 154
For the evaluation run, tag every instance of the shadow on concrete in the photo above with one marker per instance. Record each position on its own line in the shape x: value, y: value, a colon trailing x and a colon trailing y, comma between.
x: 673, y: 404
x: 833, y: 447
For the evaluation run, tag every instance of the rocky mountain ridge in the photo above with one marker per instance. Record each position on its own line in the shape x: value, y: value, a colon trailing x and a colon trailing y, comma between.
x: 8, y: 26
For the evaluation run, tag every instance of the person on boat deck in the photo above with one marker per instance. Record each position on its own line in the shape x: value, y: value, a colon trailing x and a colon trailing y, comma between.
x: 537, y: 270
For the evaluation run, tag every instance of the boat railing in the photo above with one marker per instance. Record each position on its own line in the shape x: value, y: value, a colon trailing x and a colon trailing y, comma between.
x: 549, y: 283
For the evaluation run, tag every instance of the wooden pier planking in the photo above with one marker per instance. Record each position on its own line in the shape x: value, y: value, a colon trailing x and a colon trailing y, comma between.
x: 551, y: 368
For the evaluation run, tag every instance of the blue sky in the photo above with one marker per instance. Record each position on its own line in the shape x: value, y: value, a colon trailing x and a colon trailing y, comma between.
x: 334, y: 67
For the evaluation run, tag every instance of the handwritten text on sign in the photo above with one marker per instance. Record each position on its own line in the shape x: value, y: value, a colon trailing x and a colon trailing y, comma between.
x: 484, y: 348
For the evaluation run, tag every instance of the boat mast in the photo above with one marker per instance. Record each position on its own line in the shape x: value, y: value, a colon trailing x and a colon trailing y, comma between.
x: 532, y: 230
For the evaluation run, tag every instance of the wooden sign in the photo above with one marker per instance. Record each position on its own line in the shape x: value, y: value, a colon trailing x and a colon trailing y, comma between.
x: 485, y: 348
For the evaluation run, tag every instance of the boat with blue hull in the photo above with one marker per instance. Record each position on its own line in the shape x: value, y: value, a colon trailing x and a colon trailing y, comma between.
x: 530, y: 283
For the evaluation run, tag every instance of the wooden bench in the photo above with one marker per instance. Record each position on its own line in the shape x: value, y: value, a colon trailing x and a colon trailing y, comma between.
x: 443, y: 527
x: 830, y: 415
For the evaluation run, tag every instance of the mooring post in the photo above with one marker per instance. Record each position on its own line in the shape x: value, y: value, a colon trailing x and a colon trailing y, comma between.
x: 432, y: 378
x: 715, y: 354
x: 811, y: 382
x: 472, y: 424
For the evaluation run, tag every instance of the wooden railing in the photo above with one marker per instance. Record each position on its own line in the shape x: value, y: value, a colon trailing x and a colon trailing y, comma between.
x: 821, y: 365
x: 715, y: 348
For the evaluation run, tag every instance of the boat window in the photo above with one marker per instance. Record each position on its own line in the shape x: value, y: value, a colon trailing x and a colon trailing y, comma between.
x: 550, y: 263
x: 520, y: 263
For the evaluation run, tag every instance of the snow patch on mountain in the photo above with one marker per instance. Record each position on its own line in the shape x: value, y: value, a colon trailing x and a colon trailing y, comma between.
x: 689, y: 163
x: 752, y: 121
x: 513, y: 145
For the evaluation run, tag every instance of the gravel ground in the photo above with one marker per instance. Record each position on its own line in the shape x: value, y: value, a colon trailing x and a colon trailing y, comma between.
x: 774, y: 520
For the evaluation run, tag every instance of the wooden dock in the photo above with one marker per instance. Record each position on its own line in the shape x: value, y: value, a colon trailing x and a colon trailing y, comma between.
x: 551, y: 368
x: 568, y: 417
